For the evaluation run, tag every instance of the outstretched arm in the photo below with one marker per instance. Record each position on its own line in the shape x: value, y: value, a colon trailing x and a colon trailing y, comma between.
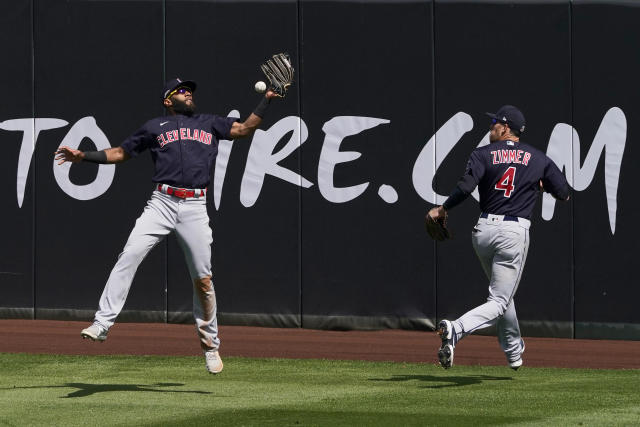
x: 110, y: 155
x: 246, y: 128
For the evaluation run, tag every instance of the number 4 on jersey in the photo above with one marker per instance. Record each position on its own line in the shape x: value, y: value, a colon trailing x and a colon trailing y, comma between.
x: 506, y: 182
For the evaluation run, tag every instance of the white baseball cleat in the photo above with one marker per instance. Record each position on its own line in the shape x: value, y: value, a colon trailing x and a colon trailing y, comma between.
x: 518, y: 362
x: 445, y: 352
x: 445, y: 330
x: 213, y: 361
x: 95, y: 332
x: 445, y: 356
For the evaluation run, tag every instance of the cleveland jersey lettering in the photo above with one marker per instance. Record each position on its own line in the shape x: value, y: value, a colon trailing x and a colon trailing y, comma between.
x: 184, y: 134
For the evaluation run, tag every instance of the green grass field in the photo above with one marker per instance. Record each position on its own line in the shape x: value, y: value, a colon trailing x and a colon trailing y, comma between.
x: 47, y: 390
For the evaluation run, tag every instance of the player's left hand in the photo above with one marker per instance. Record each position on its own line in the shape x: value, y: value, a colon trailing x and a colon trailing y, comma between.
x: 271, y: 94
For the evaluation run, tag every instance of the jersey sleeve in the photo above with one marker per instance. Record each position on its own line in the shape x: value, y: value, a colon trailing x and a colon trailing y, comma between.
x: 554, y: 182
x: 221, y: 126
x: 474, y: 172
x: 137, y: 142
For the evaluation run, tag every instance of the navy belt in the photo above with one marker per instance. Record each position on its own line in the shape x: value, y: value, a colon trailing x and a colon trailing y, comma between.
x: 506, y: 217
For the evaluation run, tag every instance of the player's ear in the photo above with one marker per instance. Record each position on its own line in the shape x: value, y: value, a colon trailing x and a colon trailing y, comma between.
x: 167, y: 102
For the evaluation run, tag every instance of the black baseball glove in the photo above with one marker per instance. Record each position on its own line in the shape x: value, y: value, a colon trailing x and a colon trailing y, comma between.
x: 437, y: 228
x: 279, y: 71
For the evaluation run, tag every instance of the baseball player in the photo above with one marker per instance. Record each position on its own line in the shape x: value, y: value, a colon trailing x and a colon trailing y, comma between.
x: 183, y: 147
x: 509, y: 175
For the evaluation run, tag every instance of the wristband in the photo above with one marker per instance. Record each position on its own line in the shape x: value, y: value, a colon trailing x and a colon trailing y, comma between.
x: 261, y: 109
x: 95, y: 157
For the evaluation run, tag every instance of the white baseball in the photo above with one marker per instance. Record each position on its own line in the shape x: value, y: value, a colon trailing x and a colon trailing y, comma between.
x: 260, y: 87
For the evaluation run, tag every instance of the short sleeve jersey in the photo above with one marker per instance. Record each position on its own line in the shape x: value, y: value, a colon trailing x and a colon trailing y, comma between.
x: 183, y: 148
x: 507, y: 175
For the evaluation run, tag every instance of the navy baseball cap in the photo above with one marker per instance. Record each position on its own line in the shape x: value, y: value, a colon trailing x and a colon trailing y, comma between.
x: 175, y: 83
x: 510, y: 115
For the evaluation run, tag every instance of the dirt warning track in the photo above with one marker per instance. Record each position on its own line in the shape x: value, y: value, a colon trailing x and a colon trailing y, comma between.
x: 63, y: 337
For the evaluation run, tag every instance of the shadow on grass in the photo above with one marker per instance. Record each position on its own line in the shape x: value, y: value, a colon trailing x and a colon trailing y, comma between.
x: 90, y: 389
x: 445, y: 380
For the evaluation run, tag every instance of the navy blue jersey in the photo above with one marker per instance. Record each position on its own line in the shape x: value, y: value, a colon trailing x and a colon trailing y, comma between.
x: 183, y: 148
x: 507, y: 175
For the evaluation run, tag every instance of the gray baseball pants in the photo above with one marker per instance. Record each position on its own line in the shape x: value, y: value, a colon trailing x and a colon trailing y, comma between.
x: 189, y: 219
x: 502, y: 248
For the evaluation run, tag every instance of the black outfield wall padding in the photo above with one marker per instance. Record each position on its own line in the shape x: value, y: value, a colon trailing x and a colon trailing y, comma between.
x: 100, y: 85
x: 18, y: 204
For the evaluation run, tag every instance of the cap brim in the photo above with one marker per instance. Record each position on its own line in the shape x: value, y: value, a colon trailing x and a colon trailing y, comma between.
x: 187, y: 83
x: 190, y: 84
x: 492, y: 115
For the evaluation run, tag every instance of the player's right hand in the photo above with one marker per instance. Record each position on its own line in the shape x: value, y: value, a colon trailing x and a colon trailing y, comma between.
x: 66, y: 154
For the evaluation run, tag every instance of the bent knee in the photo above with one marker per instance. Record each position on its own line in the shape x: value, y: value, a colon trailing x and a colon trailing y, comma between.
x: 203, y: 284
x: 500, y: 304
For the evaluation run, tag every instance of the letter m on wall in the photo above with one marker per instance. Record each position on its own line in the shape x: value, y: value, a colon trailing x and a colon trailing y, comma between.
x: 564, y: 150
